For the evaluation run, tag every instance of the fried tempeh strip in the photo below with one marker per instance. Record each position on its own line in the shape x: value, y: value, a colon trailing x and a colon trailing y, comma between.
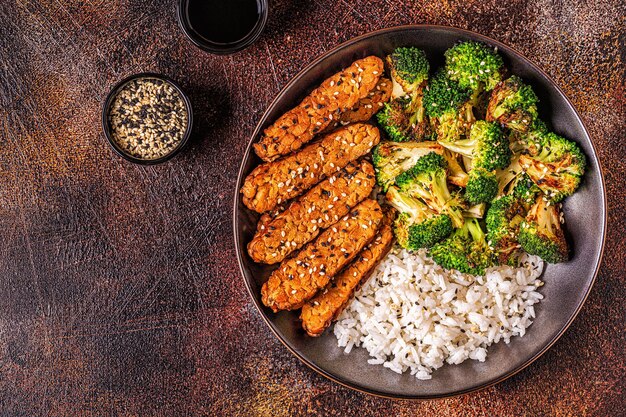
x: 299, y: 278
x: 319, y: 312
x: 367, y: 107
x: 315, y: 211
x: 267, y: 217
x: 276, y: 182
x: 337, y: 94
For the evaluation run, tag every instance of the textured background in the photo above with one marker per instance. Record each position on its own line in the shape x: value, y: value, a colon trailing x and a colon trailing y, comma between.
x: 119, y: 289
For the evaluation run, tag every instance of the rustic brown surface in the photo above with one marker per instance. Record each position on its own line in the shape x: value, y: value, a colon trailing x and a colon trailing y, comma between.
x: 119, y: 289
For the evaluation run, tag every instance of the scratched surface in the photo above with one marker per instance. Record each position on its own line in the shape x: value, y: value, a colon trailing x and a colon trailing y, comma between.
x: 119, y: 289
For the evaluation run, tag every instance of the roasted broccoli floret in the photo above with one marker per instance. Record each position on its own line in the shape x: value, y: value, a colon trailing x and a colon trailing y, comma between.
x: 530, y: 140
x: 403, y: 117
x: 477, y: 211
x: 541, y: 234
x: 417, y: 226
x: 482, y: 186
x: 449, y: 107
x: 456, y: 173
x: 409, y: 70
x: 556, y: 166
x: 514, y: 181
x: 486, y: 145
x: 474, y: 66
x: 392, y: 159
x: 488, y: 150
x: 466, y: 250
x: 503, y: 221
x: 525, y: 190
x: 513, y: 104
x: 426, y: 180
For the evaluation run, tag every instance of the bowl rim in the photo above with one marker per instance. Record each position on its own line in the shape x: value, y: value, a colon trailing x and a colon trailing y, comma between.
x: 241, y: 175
x: 106, y: 128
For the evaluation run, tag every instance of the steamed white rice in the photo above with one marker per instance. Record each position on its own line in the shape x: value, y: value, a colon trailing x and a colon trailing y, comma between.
x: 414, y: 315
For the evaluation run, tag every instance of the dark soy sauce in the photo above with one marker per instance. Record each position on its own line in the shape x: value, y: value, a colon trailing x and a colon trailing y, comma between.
x: 223, y: 21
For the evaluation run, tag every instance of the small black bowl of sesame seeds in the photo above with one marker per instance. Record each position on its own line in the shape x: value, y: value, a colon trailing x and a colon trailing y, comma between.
x: 147, y: 118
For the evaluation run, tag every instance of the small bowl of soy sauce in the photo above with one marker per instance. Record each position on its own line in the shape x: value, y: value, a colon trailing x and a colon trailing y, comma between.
x: 222, y: 26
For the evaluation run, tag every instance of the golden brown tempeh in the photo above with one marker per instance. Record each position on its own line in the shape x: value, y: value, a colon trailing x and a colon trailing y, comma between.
x: 273, y: 183
x: 368, y: 106
x: 319, y: 312
x: 299, y: 278
x: 337, y: 94
x: 313, y: 212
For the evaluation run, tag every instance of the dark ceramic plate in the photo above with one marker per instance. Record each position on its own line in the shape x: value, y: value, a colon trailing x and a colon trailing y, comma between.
x: 566, y: 285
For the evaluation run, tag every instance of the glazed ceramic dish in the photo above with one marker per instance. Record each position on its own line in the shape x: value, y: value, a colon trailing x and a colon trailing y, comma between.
x: 566, y: 285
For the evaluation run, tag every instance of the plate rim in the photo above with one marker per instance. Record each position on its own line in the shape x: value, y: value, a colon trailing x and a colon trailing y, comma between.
x: 241, y: 174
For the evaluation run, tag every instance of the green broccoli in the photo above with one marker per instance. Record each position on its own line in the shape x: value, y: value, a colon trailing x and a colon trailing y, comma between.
x: 513, y: 104
x: 528, y: 141
x: 525, y: 190
x: 417, y: 226
x: 392, y: 159
x: 477, y: 211
x: 409, y: 70
x: 456, y: 173
x: 557, y: 166
x: 403, y: 118
x: 449, y: 107
x: 474, y: 66
x: 486, y: 145
x: 466, y: 250
x: 427, y: 180
x: 503, y: 220
x: 541, y: 234
x: 482, y: 186
x: 507, y: 176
